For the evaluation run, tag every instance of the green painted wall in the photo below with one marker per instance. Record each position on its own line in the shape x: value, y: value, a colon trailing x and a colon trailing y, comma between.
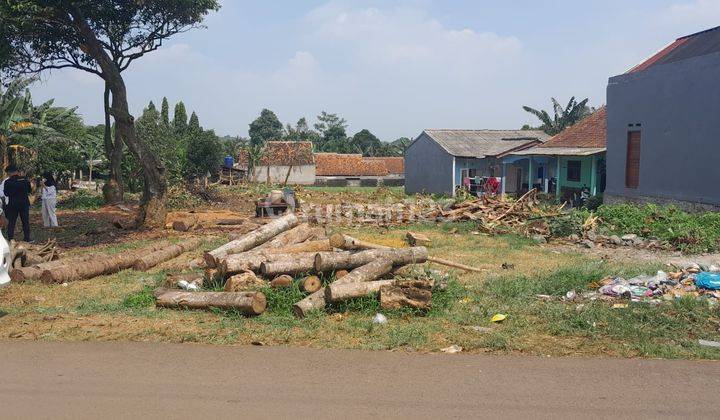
x: 585, y: 172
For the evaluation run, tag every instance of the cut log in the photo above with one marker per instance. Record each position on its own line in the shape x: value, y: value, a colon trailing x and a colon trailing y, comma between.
x: 333, y: 261
x: 100, y: 264
x: 152, y: 259
x: 407, y: 293
x: 311, y: 302
x: 311, y: 284
x: 197, y: 279
x: 347, y: 242
x: 353, y: 290
x: 290, y: 264
x: 251, y: 240
x: 339, y: 291
x: 230, y: 222
x: 186, y: 223
x: 244, y: 282
x: 281, y: 281
x: 299, y: 233
x: 33, y: 272
x: 251, y: 260
x: 340, y: 274
x: 417, y: 239
x: 248, y: 303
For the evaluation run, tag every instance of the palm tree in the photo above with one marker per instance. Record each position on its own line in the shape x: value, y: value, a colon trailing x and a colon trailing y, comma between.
x: 564, y: 117
x: 12, y: 116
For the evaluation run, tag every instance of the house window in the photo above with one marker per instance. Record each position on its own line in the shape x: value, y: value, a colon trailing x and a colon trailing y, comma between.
x: 632, y: 162
x: 574, y: 169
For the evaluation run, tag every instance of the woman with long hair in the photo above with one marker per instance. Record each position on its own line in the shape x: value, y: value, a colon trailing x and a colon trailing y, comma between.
x: 49, y: 200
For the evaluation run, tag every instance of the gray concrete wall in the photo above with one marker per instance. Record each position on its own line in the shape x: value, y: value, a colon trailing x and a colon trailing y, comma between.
x: 428, y: 168
x: 299, y: 175
x: 678, y: 107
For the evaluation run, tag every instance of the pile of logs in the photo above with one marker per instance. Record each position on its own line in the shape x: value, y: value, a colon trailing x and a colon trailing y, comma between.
x: 25, y: 255
x: 95, y: 264
x: 285, y: 252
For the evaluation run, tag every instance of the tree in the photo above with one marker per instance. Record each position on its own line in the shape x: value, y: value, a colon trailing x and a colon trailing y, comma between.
x: 165, y: 112
x: 266, y: 127
x: 91, y: 149
x: 168, y: 145
x: 327, y: 122
x: 366, y: 143
x: 102, y: 38
x: 194, y: 124
x: 564, y: 117
x: 180, y: 119
x: 204, y: 155
x: 301, y: 132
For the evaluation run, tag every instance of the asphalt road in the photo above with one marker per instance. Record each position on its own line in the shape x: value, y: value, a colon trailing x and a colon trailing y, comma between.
x: 141, y: 380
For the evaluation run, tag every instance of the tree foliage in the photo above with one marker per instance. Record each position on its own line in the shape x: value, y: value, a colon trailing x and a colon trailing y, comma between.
x: 563, y: 116
x: 265, y: 128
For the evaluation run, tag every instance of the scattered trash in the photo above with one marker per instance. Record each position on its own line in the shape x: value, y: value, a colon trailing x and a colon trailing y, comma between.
x: 64, y: 285
x: 508, y: 266
x: 708, y: 280
x: 257, y: 343
x: 620, y: 306
x: 452, y: 349
x: 498, y: 318
x: 571, y: 295
x: 379, y: 319
x: 709, y: 343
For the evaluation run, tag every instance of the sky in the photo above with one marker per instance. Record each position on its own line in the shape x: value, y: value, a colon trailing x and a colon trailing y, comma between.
x: 393, y: 67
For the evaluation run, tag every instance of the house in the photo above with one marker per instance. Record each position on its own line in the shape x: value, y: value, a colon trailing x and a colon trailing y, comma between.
x: 663, y: 127
x: 281, y: 160
x: 339, y: 169
x: 571, y: 161
x: 439, y: 161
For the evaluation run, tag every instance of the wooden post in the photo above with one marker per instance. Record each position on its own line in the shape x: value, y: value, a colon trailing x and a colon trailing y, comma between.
x: 558, y: 176
x: 503, y: 179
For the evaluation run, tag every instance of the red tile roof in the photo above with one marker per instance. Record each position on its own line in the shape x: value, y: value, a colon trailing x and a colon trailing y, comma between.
x: 394, y: 164
x: 337, y: 164
x: 283, y: 153
x: 590, y: 132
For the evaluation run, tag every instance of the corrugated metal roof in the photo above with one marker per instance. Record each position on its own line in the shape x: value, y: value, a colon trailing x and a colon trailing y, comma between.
x: 591, y: 131
x: 695, y: 45
x: 482, y: 143
x: 559, y: 151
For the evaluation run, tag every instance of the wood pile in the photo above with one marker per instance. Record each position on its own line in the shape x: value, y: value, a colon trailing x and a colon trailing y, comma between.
x: 288, y: 253
x: 221, y: 220
x: 26, y: 255
x: 495, y: 215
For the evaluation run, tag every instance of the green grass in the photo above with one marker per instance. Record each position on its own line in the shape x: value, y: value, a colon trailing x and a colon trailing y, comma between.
x: 690, y: 232
x: 81, y: 200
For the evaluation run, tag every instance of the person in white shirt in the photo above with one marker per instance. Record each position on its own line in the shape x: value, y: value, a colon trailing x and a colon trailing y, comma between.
x: 49, y: 201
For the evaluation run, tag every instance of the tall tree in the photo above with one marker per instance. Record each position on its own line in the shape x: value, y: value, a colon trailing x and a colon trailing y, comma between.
x: 165, y: 112
x: 102, y: 38
x: 366, y: 143
x: 180, y: 119
x: 266, y: 127
x: 194, y: 124
x: 563, y: 116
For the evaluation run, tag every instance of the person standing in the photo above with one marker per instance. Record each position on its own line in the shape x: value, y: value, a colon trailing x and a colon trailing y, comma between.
x: 17, y: 189
x: 49, y: 200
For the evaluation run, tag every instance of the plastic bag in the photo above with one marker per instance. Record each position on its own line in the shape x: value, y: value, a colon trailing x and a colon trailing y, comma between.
x: 707, y: 280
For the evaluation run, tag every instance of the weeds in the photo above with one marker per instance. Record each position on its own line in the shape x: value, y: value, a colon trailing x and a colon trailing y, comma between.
x: 81, y: 200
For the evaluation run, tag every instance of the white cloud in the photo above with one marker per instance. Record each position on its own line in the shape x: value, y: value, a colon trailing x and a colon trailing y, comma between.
x: 705, y: 13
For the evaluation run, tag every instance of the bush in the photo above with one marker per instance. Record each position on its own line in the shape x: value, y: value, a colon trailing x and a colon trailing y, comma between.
x: 81, y: 200
x: 690, y: 232
x: 569, y: 224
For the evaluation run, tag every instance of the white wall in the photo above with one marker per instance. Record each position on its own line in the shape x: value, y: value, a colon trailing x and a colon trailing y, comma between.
x: 299, y: 175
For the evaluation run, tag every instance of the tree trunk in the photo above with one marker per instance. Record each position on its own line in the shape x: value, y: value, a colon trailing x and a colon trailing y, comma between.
x: 251, y: 260
x: 90, y: 169
x: 407, y: 293
x: 351, y: 286
x: 152, y: 259
x: 290, y: 264
x: 332, y: 261
x: 355, y: 290
x: 152, y: 206
x: 281, y: 281
x: 252, y: 239
x: 347, y: 242
x: 248, y: 303
x: 295, y: 235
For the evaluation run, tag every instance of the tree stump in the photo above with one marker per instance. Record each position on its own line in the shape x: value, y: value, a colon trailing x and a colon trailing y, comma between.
x: 407, y: 293
x: 417, y: 239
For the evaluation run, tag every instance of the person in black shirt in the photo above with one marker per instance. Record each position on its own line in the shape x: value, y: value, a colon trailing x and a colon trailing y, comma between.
x: 17, y: 189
